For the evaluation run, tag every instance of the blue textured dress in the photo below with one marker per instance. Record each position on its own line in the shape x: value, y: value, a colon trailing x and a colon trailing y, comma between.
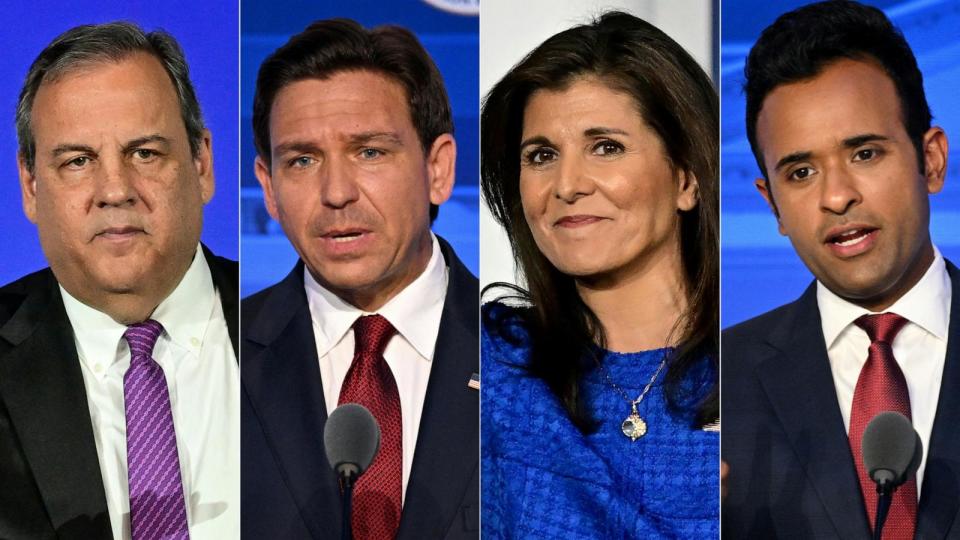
x: 542, y: 478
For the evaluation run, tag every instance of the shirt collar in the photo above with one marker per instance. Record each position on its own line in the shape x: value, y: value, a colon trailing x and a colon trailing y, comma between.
x: 415, y: 311
x: 184, y: 315
x: 927, y: 305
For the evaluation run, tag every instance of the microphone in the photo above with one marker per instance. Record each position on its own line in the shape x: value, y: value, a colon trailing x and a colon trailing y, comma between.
x: 351, y: 438
x: 892, y: 451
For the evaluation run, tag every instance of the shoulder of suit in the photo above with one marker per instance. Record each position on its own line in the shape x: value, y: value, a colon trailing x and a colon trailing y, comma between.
x: 13, y: 294
x: 758, y: 328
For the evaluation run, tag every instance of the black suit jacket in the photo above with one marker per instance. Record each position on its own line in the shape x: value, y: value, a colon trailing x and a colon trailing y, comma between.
x: 50, y: 481
x: 791, y: 469
x: 288, y: 489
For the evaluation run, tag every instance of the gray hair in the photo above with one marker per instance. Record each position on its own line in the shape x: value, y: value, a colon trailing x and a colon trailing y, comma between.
x: 110, y: 42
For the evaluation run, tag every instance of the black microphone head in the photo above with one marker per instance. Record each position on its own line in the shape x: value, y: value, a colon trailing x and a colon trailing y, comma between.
x: 351, y: 438
x: 891, y: 449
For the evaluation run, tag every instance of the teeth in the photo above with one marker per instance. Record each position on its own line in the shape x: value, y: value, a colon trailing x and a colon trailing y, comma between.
x: 852, y: 241
x: 343, y: 239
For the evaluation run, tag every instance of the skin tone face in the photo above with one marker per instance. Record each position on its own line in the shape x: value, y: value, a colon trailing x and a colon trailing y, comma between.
x: 845, y: 179
x: 115, y: 193
x: 351, y: 185
x: 602, y: 200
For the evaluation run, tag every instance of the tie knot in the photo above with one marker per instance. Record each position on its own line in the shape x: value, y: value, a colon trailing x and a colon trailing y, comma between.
x: 882, y: 327
x: 142, y: 337
x: 372, y: 334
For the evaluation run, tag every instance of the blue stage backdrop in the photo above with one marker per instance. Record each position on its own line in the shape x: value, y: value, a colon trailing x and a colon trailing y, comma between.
x: 452, y: 40
x: 207, y: 31
x: 759, y: 267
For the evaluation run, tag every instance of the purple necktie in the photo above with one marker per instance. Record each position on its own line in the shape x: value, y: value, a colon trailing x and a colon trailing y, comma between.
x: 157, y: 510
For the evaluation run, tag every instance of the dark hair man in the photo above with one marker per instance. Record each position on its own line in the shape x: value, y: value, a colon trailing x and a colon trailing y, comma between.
x: 840, y: 127
x: 354, y: 138
x: 119, y: 408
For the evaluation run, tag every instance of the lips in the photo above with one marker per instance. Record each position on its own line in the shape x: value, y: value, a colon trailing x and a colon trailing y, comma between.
x: 344, y: 235
x: 851, y: 240
x: 119, y: 231
x: 579, y: 220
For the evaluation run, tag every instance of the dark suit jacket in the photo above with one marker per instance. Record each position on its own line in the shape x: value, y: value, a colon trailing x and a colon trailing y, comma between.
x: 791, y: 469
x: 288, y: 489
x: 50, y: 482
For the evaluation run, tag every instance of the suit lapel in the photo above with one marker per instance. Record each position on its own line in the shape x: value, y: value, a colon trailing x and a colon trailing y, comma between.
x: 799, y: 385
x: 446, y: 458
x: 283, y: 384
x: 225, y: 276
x: 940, y: 495
x: 42, y: 386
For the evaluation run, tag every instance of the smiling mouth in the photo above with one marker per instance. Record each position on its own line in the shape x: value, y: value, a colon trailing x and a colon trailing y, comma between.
x: 577, y: 221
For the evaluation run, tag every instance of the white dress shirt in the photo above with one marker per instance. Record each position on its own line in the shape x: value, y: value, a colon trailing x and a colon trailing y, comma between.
x: 919, y: 348
x: 415, y: 312
x: 203, y: 379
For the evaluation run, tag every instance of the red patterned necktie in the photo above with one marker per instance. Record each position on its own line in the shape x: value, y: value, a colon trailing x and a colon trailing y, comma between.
x: 882, y: 387
x: 369, y: 382
x: 157, y: 508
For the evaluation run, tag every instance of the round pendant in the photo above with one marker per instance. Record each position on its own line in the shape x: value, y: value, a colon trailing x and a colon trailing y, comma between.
x: 634, y: 427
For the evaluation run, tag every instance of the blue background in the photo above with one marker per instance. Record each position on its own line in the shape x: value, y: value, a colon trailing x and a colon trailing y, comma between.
x: 759, y: 269
x: 452, y: 41
x: 207, y: 32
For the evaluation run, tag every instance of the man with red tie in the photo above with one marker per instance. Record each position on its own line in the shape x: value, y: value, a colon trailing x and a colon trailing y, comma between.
x: 839, y: 124
x: 355, y: 152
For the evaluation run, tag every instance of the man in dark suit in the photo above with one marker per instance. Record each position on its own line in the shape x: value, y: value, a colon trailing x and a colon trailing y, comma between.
x: 355, y: 152
x: 840, y: 127
x: 115, y: 167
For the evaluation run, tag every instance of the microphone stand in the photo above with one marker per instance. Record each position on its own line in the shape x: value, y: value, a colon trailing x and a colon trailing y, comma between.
x: 885, y: 492
x: 348, y: 477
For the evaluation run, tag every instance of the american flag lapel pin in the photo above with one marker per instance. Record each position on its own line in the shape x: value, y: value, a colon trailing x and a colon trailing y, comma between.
x: 474, y: 381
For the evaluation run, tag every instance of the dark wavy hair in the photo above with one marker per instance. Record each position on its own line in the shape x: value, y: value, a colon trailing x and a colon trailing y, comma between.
x: 677, y: 100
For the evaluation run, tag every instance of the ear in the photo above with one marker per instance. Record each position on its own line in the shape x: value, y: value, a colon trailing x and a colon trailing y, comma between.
x: 688, y: 191
x: 204, y: 164
x: 935, y: 148
x: 764, y: 188
x: 262, y: 172
x: 441, y: 165
x: 28, y: 189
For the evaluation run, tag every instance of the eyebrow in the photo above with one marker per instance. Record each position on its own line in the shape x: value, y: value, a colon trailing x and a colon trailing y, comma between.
x: 65, y: 148
x: 849, y: 142
x: 365, y: 137
x: 61, y: 149
x: 355, y: 139
x: 140, y: 141
x: 589, y: 132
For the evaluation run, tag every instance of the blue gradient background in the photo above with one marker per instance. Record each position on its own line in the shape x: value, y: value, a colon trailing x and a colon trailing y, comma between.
x: 452, y: 41
x: 759, y: 268
x: 207, y: 32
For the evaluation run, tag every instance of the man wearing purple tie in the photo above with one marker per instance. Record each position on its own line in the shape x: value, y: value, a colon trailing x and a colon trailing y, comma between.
x: 119, y: 390
x: 840, y: 127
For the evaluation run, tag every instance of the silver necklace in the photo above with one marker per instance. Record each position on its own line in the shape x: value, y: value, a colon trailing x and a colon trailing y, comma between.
x: 634, y: 426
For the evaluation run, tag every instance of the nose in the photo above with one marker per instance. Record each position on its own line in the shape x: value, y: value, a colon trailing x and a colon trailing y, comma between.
x: 574, y: 180
x: 116, y: 186
x: 839, y: 191
x: 338, y: 186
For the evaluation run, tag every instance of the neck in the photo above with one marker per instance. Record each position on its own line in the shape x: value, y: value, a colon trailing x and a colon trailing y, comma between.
x: 640, y: 308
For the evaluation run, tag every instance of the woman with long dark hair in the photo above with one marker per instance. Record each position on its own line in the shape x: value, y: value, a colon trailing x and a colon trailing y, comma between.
x: 599, y: 158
